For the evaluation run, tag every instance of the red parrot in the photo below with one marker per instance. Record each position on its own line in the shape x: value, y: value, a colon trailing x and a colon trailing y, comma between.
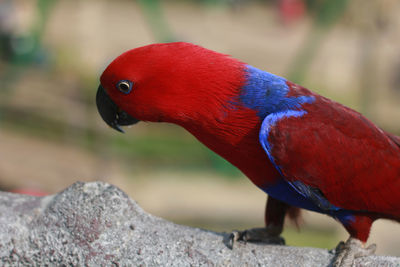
x: 302, y: 149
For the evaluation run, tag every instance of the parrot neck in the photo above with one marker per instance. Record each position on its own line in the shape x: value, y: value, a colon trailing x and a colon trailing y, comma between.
x: 230, y: 126
x: 236, y: 140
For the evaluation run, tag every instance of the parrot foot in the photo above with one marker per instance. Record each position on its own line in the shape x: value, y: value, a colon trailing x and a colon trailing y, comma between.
x: 262, y: 235
x: 347, y: 252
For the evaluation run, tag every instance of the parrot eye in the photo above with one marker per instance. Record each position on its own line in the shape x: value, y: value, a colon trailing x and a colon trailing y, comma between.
x: 124, y: 86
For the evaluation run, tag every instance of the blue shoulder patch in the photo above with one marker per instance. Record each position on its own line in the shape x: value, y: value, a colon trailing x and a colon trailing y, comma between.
x: 267, y: 93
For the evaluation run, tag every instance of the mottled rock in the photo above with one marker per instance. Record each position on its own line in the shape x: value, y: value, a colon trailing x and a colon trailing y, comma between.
x: 96, y: 224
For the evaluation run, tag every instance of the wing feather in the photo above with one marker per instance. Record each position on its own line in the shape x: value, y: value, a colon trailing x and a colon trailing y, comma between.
x: 341, y: 155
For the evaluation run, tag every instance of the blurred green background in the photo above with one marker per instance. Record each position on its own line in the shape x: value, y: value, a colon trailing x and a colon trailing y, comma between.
x: 53, y: 52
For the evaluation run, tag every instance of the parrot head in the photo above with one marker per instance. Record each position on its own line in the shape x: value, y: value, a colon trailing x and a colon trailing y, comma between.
x: 173, y: 82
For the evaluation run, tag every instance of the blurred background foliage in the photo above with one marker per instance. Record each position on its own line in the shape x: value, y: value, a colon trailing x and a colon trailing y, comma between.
x: 52, y: 53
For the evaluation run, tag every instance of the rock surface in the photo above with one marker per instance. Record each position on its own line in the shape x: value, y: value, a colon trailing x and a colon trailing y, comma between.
x: 96, y: 224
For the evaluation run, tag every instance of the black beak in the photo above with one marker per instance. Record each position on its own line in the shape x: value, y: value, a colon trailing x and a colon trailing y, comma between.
x: 111, y: 113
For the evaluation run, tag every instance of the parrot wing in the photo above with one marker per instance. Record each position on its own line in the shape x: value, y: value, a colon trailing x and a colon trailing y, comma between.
x: 335, y: 157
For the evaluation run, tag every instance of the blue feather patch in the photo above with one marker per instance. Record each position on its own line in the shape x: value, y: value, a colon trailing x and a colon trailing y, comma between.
x: 287, y: 193
x: 306, y: 197
x: 267, y: 93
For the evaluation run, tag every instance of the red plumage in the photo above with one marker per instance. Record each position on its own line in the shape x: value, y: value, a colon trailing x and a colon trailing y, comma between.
x: 359, y: 163
x: 329, y: 148
x: 194, y: 93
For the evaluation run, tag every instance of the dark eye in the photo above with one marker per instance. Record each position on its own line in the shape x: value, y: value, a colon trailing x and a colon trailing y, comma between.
x: 125, y: 86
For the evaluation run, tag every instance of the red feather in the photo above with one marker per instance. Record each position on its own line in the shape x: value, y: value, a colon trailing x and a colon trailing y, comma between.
x: 355, y: 164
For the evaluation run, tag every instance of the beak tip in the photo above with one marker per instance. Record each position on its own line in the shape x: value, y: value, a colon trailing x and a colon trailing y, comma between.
x: 119, y: 129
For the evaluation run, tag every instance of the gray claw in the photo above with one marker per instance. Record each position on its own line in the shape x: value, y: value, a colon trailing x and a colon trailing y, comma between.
x: 233, y: 238
x: 263, y: 235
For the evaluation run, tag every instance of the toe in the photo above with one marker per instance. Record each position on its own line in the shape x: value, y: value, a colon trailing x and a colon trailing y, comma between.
x: 233, y: 238
x: 256, y: 235
x: 347, y: 252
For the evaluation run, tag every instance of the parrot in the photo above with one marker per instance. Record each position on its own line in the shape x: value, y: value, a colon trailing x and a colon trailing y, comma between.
x: 302, y: 149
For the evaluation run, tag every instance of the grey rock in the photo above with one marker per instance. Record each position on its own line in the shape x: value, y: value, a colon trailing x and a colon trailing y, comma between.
x: 96, y: 224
